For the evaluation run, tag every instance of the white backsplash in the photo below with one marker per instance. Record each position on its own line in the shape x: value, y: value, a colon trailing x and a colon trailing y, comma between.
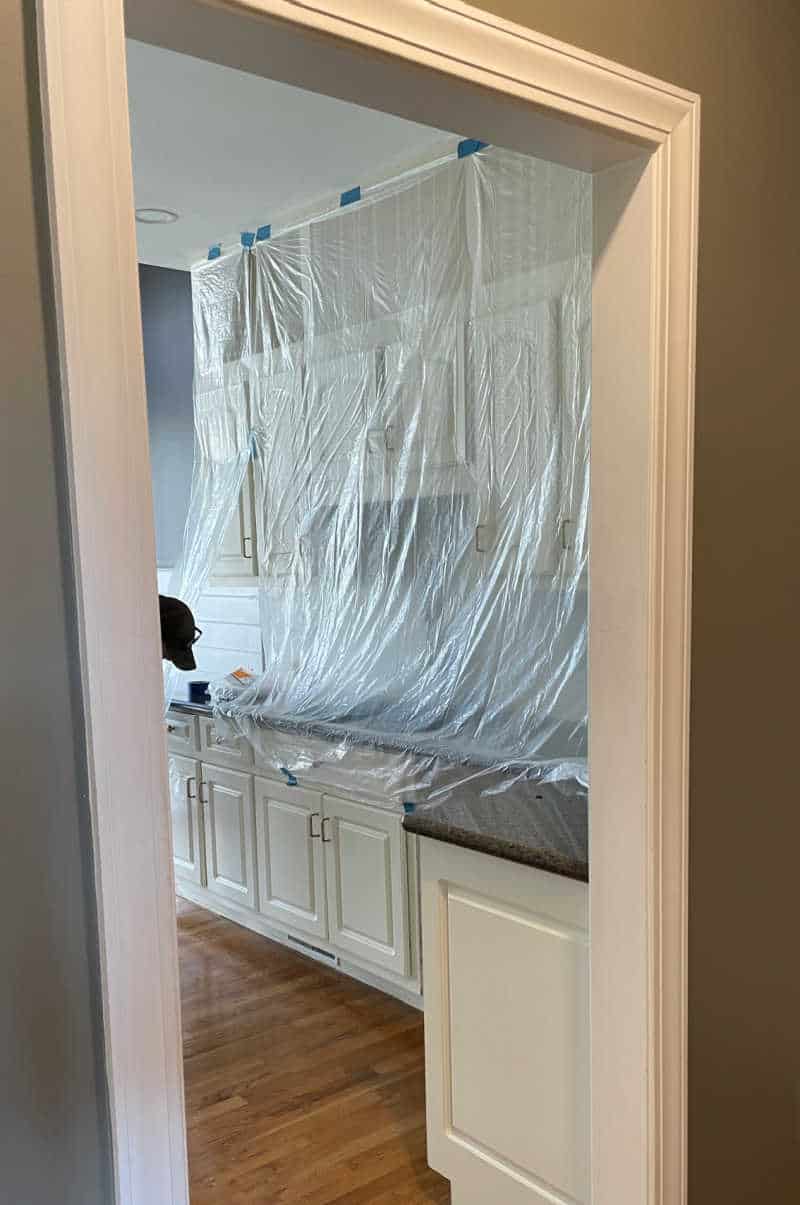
x: 228, y: 617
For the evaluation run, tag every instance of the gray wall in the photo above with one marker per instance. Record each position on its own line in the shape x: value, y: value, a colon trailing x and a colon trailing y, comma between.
x: 168, y: 358
x: 54, y: 1137
x: 743, y: 56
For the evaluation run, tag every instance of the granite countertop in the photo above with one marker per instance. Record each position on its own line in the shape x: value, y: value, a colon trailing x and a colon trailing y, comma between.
x: 538, y: 824
x: 190, y: 708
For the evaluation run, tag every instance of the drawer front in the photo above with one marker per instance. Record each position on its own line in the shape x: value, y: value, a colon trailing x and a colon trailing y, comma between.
x: 223, y: 749
x: 182, y: 733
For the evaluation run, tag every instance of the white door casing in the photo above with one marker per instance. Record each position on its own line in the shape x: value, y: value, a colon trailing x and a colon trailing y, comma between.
x: 566, y: 104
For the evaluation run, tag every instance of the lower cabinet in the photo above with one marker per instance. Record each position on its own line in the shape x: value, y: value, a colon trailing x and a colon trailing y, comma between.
x: 187, y: 838
x: 290, y: 858
x: 365, y: 867
x: 229, y: 826
x: 304, y: 864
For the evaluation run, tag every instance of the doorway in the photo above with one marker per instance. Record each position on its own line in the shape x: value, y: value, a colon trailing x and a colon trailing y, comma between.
x: 658, y: 430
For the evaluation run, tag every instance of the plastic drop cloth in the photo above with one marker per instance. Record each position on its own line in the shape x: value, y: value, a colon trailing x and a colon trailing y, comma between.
x: 410, y: 376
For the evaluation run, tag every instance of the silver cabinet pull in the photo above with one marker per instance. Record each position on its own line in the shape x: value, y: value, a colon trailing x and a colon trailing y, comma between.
x: 312, y: 817
x: 203, y: 798
x: 246, y: 551
x: 189, y: 782
x: 326, y: 820
x: 171, y: 728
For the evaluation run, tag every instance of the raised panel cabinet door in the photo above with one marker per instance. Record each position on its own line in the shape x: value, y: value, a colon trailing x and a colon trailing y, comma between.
x: 187, y: 841
x: 229, y: 825
x: 365, y: 871
x: 237, y: 556
x: 289, y: 857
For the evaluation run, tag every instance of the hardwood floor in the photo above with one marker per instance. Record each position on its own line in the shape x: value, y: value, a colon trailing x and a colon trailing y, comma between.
x: 303, y: 1087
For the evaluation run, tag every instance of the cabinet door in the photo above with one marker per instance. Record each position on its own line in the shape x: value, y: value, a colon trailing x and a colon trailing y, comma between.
x: 291, y: 865
x: 187, y: 843
x: 366, y: 880
x: 517, y: 431
x: 237, y: 556
x: 228, y: 823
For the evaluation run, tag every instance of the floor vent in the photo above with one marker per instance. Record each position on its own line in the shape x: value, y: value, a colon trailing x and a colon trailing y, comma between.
x: 305, y: 947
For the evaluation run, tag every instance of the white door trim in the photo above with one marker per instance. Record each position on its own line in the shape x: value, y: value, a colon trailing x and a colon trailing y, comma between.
x: 639, y: 832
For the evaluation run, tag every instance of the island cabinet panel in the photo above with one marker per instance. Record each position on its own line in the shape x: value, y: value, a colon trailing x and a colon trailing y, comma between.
x: 506, y: 956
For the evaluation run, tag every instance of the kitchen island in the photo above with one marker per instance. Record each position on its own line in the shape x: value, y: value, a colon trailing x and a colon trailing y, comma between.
x: 505, y: 940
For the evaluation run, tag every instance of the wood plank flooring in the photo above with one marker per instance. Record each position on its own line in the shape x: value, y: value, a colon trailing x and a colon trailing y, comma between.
x: 303, y: 1087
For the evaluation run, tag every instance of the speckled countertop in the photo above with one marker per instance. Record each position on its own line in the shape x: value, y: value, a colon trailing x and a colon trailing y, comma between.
x: 191, y: 708
x: 542, y: 825
x: 538, y: 824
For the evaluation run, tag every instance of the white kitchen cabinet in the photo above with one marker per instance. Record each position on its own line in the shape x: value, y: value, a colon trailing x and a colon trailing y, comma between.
x: 187, y: 837
x: 365, y: 868
x: 518, y: 430
x: 293, y: 862
x: 506, y: 958
x: 289, y: 856
x: 237, y: 562
x: 229, y: 829
x: 219, y: 745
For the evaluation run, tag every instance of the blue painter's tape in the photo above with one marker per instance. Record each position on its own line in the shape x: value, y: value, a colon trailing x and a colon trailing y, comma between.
x: 262, y: 233
x: 408, y: 807
x: 214, y: 252
x: 291, y: 781
x: 248, y: 238
x: 351, y: 196
x: 469, y: 146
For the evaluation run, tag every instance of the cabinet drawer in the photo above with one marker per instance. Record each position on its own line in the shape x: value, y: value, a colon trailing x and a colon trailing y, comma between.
x: 222, y: 748
x: 181, y: 733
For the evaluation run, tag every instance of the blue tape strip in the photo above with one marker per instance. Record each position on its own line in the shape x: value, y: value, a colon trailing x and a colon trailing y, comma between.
x: 469, y: 146
x: 214, y: 252
x: 248, y: 238
x: 262, y: 233
x: 291, y: 781
x: 351, y: 196
x: 408, y: 807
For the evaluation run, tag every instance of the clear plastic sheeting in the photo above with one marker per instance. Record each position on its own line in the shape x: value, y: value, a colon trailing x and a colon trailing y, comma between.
x: 222, y: 359
x: 410, y: 376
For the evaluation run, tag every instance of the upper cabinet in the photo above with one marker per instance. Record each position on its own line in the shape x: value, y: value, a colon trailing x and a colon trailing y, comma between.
x: 237, y: 563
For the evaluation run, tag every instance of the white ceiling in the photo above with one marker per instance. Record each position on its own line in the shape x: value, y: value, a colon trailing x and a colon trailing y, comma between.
x: 229, y: 151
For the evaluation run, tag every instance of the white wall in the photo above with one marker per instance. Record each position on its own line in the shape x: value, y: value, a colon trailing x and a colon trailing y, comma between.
x: 231, y: 636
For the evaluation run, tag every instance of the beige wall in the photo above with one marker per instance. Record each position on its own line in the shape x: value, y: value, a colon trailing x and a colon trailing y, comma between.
x: 743, y: 57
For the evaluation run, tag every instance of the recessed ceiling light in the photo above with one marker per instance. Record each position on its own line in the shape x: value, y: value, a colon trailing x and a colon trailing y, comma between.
x: 156, y: 217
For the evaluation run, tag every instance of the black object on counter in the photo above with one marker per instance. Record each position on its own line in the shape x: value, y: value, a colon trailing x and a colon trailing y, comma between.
x: 198, y: 692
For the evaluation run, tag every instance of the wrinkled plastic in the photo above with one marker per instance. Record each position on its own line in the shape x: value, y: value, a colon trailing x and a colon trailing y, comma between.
x: 411, y: 378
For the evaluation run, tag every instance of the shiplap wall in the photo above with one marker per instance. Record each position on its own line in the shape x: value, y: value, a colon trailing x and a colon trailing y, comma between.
x: 228, y: 616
